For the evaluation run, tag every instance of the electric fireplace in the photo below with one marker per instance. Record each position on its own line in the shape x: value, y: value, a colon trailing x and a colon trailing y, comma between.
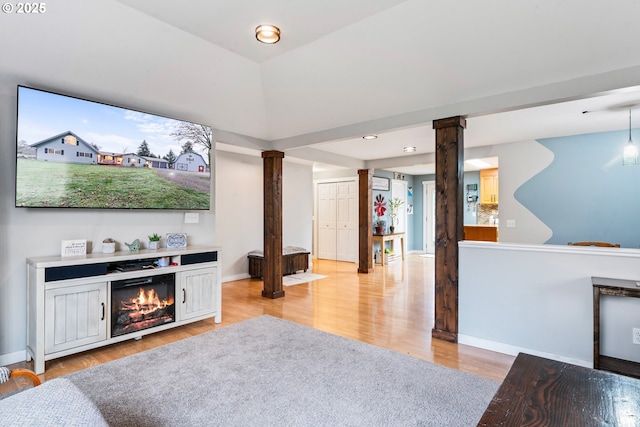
x: 142, y: 303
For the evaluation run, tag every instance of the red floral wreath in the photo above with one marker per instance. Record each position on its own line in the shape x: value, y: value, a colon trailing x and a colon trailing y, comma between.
x: 380, y: 205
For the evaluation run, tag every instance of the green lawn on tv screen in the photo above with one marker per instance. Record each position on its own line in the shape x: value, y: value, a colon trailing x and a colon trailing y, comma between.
x: 53, y: 184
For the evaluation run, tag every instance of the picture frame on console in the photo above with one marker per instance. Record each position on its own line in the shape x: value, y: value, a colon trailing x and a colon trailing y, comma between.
x: 176, y: 240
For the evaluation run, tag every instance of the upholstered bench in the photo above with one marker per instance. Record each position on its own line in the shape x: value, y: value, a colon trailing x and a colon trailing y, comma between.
x: 294, y: 259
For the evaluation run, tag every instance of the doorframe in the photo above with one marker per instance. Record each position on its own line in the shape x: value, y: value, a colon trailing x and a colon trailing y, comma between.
x: 428, y: 208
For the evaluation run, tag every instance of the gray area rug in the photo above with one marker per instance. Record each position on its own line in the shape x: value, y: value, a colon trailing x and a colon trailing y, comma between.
x: 271, y: 372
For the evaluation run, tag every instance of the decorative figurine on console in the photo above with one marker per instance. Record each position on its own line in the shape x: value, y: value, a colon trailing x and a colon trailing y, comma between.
x: 133, y: 246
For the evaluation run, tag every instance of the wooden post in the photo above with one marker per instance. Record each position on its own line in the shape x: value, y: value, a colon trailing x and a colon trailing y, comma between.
x: 365, y: 226
x: 449, y: 224
x: 272, y: 263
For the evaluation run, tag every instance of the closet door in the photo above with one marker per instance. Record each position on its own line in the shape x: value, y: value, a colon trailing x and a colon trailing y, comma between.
x: 347, y: 221
x: 327, y: 220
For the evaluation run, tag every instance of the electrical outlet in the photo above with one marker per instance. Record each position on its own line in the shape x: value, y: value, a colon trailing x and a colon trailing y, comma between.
x: 636, y: 335
x: 191, y: 217
x: 511, y: 223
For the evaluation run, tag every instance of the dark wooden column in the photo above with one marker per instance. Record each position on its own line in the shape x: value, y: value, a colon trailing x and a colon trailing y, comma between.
x: 449, y: 223
x: 272, y: 263
x: 365, y: 221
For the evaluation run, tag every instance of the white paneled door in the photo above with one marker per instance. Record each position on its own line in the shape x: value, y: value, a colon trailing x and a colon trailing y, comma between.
x: 327, y: 212
x: 338, y: 221
x: 347, y: 221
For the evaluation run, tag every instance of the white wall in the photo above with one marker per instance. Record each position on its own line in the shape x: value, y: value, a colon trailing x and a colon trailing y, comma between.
x: 297, y: 204
x: 538, y: 299
x: 39, y: 232
x: 239, y: 198
x: 239, y: 223
x: 519, y: 162
x: 109, y: 53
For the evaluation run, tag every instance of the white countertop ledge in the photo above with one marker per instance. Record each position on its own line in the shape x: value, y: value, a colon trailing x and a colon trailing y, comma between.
x: 538, y: 247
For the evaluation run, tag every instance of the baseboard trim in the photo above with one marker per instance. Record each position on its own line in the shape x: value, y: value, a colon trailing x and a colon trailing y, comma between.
x: 8, y: 359
x: 513, y: 350
x: 235, y: 277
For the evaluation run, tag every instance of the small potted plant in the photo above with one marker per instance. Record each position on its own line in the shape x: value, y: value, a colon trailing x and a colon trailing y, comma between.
x: 394, y: 205
x: 388, y: 255
x: 154, y: 241
x: 108, y: 246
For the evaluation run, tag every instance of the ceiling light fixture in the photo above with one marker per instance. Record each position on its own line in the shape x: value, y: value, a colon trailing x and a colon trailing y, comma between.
x: 369, y: 137
x: 269, y: 34
x: 409, y: 149
x: 630, y: 153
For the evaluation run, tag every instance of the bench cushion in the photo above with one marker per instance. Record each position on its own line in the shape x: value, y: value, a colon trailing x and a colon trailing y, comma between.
x: 287, y: 250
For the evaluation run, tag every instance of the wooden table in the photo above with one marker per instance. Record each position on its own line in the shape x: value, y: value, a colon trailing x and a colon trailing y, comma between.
x: 543, y: 392
x: 381, y: 238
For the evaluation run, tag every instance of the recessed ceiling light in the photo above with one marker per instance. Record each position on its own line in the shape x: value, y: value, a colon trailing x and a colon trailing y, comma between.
x: 269, y: 34
x: 368, y: 137
x: 409, y: 149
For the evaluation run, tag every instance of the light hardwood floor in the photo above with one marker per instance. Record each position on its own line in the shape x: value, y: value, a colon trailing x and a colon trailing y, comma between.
x: 391, y: 308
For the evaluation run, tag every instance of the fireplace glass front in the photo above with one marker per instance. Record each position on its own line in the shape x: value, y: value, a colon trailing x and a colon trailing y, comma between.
x: 142, y: 303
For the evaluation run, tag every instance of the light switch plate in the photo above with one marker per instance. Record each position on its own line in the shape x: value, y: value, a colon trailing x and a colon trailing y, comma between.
x: 191, y: 217
x: 511, y: 223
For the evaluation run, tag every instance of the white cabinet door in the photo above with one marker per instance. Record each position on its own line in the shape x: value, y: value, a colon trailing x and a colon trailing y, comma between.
x: 198, y: 293
x: 75, y: 316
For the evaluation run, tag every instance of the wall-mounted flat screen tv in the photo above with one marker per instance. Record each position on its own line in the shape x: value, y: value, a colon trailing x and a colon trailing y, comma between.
x: 76, y: 153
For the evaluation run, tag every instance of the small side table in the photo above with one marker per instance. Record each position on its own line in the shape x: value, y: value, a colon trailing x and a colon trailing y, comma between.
x: 381, y: 238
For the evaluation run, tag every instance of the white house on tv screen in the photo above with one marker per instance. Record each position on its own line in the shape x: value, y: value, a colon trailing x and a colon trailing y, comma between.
x: 68, y: 147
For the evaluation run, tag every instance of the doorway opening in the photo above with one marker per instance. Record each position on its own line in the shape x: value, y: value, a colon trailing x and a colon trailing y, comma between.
x: 429, y: 209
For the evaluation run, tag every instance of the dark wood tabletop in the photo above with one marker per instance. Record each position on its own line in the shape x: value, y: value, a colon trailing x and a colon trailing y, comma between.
x: 544, y: 392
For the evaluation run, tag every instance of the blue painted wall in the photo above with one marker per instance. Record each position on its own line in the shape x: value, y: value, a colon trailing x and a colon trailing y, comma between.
x: 586, y: 193
x: 418, y: 214
x: 387, y: 198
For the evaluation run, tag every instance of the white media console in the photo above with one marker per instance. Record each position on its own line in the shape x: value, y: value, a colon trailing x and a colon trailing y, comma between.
x: 70, y: 304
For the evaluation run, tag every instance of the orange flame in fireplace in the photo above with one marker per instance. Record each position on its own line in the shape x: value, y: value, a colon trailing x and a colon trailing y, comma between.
x: 146, y: 302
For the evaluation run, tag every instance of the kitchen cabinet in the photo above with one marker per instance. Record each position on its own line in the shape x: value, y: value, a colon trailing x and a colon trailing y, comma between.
x: 489, y: 186
x: 486, y: 233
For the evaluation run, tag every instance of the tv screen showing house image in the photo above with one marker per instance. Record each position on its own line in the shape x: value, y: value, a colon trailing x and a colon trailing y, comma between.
x: 76, y: 153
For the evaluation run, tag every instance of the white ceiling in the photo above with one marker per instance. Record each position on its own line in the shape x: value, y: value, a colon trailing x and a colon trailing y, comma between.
x: 231, y: 24
x: 345, y: 68
x: 605, y: 113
